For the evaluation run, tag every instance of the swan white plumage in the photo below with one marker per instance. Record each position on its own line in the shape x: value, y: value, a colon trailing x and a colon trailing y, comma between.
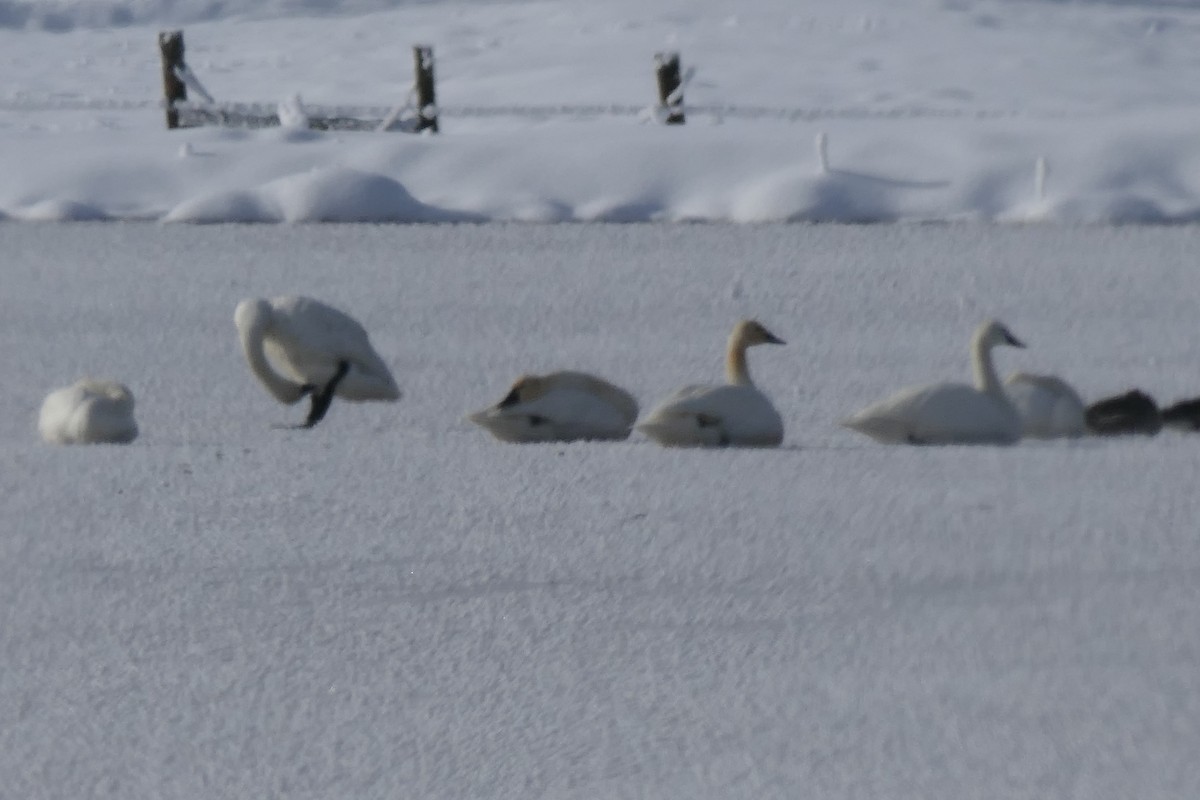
x: 734, y: 414
x: 560, y: 407
x: 949, y: 413
x: 320, y: 351
x: 88, y: 412
x: 1050, y: 408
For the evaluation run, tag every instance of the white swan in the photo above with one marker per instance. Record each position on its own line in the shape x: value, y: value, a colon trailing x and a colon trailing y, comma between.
x: 949, y: 413
x: 560, y: 407
x: 88, y: 412
x: 733, y: 414
x: 1049, y: 407
x: 320, y: 351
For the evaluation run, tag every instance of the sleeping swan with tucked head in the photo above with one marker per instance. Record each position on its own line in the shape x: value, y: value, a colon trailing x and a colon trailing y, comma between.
x: 734, y: 414
x: 320, y: 351
x: 949, y: 413
x: 560, y: 407
x: 88, y: 412
x: 1050, y: 408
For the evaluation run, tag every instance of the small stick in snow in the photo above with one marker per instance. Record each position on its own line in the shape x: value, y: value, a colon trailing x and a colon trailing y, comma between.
x: 823, y: 152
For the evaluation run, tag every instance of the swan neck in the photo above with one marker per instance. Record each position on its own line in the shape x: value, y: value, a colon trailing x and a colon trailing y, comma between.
x: 986, y: 379
x: 737, y: 370
x: 284, y: 391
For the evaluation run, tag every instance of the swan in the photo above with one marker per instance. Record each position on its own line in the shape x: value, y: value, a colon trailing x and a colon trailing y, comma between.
x: 1132, y: 412
x: 1184, y: 415
x: 736, y: 413
x: 1049, y: 407
x: 560, y: 407
x: 88, y: 412
x: 321, y: 352
x: 949, y: 413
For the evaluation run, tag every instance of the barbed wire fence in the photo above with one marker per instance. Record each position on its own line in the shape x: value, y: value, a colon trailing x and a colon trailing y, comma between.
x: 420, y: 111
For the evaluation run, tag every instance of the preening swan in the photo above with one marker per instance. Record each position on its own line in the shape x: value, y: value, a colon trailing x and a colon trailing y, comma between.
x: 1049, y: 407
x: 88, y: 412
x: 560, y: 407
x: 734, y: 414
x: 320, y: 351
x: 1132, y: 412
x: 949, y: 413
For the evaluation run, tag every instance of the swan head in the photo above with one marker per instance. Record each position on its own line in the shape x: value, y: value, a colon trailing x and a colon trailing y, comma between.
x: 251, y: 316
x: 507, y: 421
x: 993, y: 332
x: 524, y: 389
x: 749, y: 332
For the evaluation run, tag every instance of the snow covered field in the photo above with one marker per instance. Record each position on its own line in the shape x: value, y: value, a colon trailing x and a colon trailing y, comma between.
x: 395, y: 605
x: 932, y: 110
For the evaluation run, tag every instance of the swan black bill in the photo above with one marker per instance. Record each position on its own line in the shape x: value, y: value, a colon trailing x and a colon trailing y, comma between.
x: 510, y: 399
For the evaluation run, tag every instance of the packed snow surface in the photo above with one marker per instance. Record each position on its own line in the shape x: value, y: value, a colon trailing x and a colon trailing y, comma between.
x: 849, y: 110
x: 394, y: 604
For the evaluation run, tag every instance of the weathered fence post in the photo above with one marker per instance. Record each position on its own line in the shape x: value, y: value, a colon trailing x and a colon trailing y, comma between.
x: 426, y: 98
x: 670, y: 86
x: 170, y: 44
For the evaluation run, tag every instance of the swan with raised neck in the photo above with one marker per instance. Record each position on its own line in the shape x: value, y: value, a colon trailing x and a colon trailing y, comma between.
x: 735, y: 413
x: 746, y: 334
x: 950, y: 413
x: 989, y: 334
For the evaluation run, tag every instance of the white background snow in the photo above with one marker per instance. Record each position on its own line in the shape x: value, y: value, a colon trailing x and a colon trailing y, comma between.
x: 933, y: 109
x: 395, y: 605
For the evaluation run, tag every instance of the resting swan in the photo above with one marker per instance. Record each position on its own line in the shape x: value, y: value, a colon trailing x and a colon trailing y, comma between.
x: 1184, y: 415
x: 949, y: 413
x: 89, y: 412
x: 320, y: 351
x: 1133, y: 412
x: 560, y: 407
x: 734, y: 414
x: 1049, y: 407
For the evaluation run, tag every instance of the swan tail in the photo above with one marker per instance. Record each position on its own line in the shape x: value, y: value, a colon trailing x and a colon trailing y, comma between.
x: 881, y: 429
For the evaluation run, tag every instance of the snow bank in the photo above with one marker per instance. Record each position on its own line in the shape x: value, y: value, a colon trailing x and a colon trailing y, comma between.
x: 547, y: 112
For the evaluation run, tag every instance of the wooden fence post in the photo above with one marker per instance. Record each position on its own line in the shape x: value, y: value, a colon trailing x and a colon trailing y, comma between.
x: 670, y: 89
x: 170, y: 44
x: 426, y: 97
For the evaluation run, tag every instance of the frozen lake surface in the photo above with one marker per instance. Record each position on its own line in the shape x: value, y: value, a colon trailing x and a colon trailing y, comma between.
x: 395, y: 605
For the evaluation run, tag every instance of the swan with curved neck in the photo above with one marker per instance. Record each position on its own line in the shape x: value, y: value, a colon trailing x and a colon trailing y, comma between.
x: 320, y: 351
x: 560, y: 407
x: 88, y: 412
x: 950, y: 413
x: 1050, y: 408
x: 734, y: 414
